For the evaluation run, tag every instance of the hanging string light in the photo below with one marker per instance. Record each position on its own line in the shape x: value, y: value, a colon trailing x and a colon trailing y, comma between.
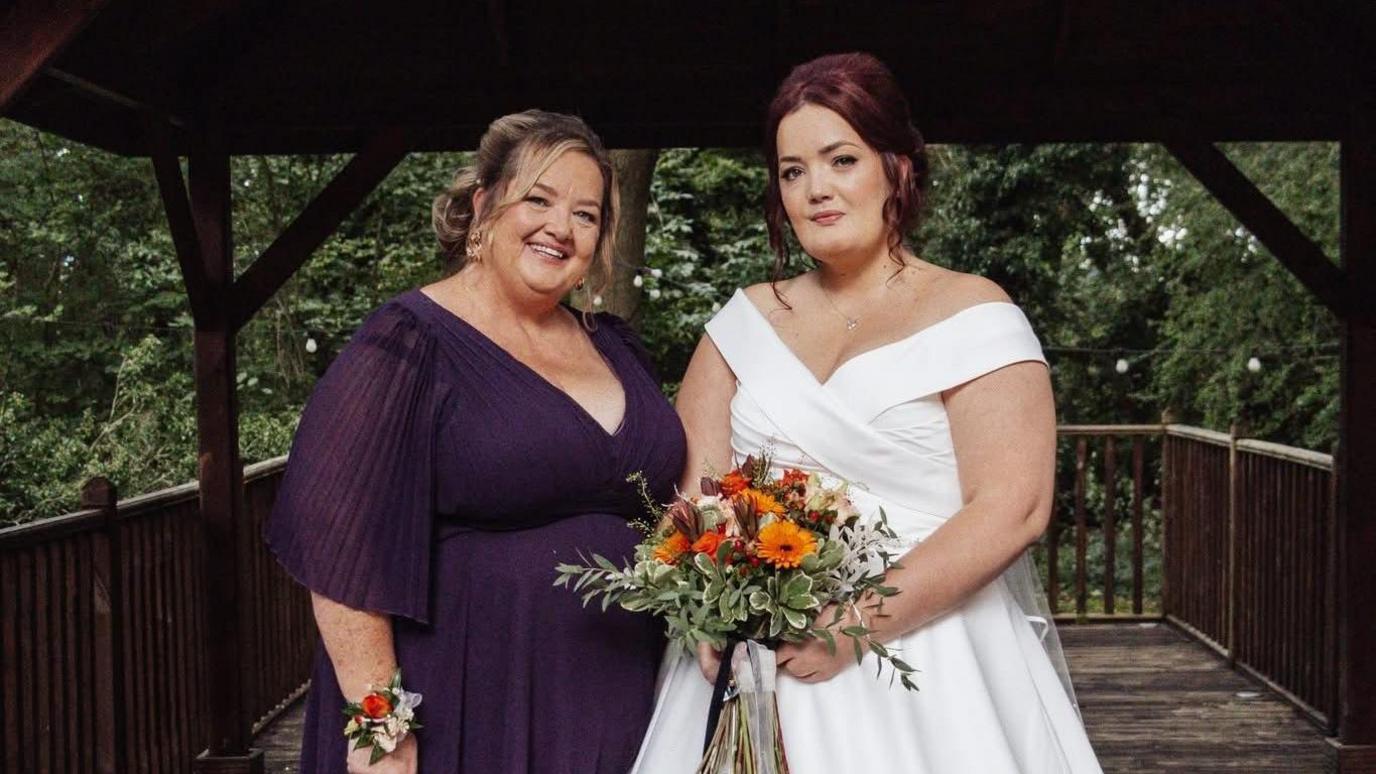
x: 1254, y: 364
x: 1121, y: 366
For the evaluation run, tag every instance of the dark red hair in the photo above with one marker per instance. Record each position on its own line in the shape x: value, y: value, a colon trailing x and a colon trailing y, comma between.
x: 860, y: 89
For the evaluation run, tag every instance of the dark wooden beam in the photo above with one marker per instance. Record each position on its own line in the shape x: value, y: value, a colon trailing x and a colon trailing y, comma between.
x: 1297, y: 252
x: 168, y: 171
x: 32, y: 34
x: 114, y: 96
x: 316, y: 222
x: 1356, y: 459
x: 220, y: 474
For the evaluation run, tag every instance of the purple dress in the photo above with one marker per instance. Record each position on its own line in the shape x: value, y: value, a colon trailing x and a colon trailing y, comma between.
x: 436, y: 478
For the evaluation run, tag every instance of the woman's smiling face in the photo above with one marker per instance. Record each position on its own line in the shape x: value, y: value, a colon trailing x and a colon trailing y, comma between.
x: 545, y: 242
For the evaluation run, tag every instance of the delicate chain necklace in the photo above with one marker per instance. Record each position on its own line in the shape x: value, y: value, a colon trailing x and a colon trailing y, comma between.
x: 851, y: 322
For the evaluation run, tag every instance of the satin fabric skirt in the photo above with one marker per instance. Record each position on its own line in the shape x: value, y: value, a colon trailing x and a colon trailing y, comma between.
x: 989, y: 702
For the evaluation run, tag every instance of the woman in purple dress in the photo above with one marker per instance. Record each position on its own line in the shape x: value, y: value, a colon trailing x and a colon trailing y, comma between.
x: 472, y: 435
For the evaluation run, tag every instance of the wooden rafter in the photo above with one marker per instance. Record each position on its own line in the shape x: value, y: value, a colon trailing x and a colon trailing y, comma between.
x: 32, y: 34
x: 316, y: 222
x: 1258, y: 214
x: 168, y: 171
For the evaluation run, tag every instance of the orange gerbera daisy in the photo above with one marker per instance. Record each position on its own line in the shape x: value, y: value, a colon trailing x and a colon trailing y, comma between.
x: 708, y: 543
x: 763, y: 502
x: 672, y: 548
x: 733, y: 482
x: 784, y: 544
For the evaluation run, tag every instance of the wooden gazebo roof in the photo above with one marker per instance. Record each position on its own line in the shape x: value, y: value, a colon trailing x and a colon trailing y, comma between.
x: 208, y: 80
x: 306, y: 77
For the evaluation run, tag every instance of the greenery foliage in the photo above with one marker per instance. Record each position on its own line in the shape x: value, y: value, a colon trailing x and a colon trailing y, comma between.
x: 1113, y: 251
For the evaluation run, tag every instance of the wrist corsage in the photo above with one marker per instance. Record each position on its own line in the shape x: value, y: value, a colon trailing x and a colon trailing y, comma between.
x: 382, y: 718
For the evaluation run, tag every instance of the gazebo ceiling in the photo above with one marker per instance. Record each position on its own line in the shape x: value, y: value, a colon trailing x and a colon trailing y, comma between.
x: 301, y: 77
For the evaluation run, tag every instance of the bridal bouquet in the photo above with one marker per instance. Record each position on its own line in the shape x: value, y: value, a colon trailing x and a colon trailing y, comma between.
x: 754, y: 560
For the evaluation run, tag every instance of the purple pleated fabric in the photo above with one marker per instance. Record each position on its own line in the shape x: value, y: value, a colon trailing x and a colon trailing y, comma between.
x: 436, y: 478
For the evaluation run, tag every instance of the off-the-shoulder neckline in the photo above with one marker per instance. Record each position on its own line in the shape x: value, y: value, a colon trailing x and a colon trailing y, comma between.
x: 740, y: 296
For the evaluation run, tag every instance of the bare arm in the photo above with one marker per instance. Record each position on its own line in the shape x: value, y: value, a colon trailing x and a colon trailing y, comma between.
x: 360, y: 647
x: 1003, y: 426
x: 704, y: 406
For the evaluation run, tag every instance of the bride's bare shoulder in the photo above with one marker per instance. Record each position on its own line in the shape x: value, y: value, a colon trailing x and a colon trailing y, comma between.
x: 953, y: 291
x: 765, y: 298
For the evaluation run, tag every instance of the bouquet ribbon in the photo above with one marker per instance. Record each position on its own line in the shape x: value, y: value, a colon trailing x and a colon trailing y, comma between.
x: 719, y: 690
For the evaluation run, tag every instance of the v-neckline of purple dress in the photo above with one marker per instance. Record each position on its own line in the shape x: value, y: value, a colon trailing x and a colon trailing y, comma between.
x: 459, y: 326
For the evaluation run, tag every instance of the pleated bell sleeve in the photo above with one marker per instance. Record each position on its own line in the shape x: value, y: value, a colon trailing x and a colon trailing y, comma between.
x: 352, y: 520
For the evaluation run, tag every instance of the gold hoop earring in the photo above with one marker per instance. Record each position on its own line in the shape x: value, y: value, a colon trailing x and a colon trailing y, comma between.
x: 580, y: 283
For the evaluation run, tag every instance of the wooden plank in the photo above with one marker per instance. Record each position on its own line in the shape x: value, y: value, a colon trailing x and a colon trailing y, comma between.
x: 34, y: 33
x: 1198, y: 434
x: 42, y: 741
x: 1297, y: 252
x: 1232, y: 588
x: 1097, y: 430
x: 316, y: 222
x: 1110, y: 522
x: 1081, y: 529
x: 1138, y: 444
x: 10, y: 665
x: 1281, y: 451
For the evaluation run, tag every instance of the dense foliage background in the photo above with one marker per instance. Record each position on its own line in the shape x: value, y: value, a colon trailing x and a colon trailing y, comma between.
x: 1113, y: 251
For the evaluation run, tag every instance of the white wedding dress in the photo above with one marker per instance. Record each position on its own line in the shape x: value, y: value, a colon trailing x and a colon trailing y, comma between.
x: 990, y: 699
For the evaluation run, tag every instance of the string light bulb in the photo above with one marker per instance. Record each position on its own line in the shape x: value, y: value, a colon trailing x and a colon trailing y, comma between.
x: 311, y: 346
x: 1253, y: 364
x: 639, y: 281
x: 1121, y: 366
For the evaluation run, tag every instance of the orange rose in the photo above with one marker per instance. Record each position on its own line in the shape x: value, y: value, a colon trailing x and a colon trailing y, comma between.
x: 376, y: 706
x: 672, y: 548
x: 793, y: 476
x: 733, y: 482
x: 708, y: 543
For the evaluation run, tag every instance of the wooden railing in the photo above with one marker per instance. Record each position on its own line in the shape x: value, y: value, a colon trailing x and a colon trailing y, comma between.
x: 1240, y: 533
x: 1106, y: 496
x: 102, y: 626
x: 1251, y: 558
x: 102, y: 619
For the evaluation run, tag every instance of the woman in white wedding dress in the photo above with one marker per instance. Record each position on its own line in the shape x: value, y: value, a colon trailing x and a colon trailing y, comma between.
x: 926, y: 388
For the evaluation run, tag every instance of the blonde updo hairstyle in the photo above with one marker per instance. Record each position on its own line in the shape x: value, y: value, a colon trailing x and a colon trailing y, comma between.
x: 513, y: 153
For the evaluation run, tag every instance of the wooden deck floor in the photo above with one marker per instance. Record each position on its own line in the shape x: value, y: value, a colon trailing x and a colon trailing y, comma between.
x: 1152, y: 699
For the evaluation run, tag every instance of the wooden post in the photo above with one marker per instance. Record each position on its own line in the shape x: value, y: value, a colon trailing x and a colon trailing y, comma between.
x: 1110, y: 524
x: 1355, y: 747
x: 220, y: 473
x: 1137, y: 448
x: 1081, y: 530
x: 108, y: 610
x: 1231, y: 568
x: 1167, y: 471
